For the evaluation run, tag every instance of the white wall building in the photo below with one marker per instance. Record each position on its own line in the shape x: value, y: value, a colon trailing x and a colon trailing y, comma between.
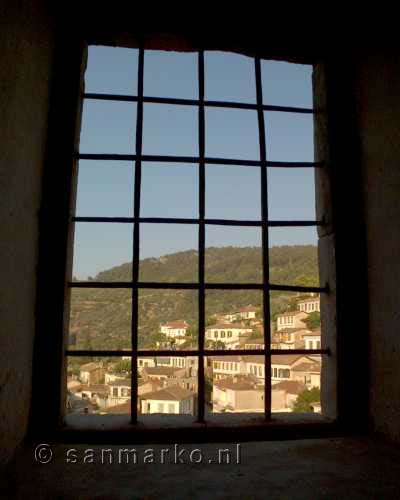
x: 311, y: 304
x: 228, y: 333
x: 119, y: 392
x: 291, y: 319
x: 174, y: 329
x: 312, y: 339
x: 173, y: 399
x: 282, y: 366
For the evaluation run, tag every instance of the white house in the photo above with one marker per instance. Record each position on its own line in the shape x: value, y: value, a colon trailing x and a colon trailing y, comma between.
x: 190, y: 363
x: 111, y: 377
x: 291, y: 319
x: 239, y: 393
x: 312, y: 339
x: 244, y: 393
x: 308, y: 373
x: 95, y: 394
x: 292, y: 389
x: 310, y: 304
x: 174, y: 329
x: 248, y: 312
x: 145, y: 362
x: 173, y: 399
x: 91, y: 373
x: 163, y: 372
x: 257, y: 343
x: 119, y: 391
x: 282, y: 366
x: 289, y: 338
x: 229, y: 333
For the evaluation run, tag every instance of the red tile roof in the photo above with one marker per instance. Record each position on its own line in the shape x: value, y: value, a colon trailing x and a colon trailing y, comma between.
x: 291, y: 313
x: 227, y: 326
x: 176, y: 324
x: 239, y: 383
x: 290, y: 386
x: 173, y: 393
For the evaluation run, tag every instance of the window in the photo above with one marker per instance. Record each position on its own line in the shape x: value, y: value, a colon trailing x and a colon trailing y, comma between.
x: 254, y: 145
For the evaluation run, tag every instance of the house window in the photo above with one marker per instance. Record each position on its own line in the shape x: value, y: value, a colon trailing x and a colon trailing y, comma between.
x: 129, y: 144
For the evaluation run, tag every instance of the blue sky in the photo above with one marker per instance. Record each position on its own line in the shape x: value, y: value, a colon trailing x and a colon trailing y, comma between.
x: 171, y: 190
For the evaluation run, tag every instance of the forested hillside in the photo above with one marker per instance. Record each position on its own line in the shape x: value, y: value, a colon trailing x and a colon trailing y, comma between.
x: 100, y: 318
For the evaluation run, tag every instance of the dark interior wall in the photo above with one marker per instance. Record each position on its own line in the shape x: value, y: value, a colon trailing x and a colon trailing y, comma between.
x: 26, y: 55
x: 379, y: 126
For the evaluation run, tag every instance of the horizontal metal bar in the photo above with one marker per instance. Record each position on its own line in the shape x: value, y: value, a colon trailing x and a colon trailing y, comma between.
x: 100, y: 284
x: 195, y: 159
x: 217, y: 222
x: 197, y: 286
x: 195, y: 352
x: 196, y: 102
x: 301, y: 289
x: 122, y: 220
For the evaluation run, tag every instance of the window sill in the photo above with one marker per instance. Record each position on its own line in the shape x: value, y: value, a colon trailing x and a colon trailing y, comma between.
x: 182, y: 428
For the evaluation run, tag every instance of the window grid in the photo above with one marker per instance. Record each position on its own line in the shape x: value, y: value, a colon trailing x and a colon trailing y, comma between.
x: 135, y: 285
x: 265, y: 245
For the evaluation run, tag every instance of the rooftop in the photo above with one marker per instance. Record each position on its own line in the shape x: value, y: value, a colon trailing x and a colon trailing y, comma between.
x: 312, y: 333
x: 173, y: 393
x: 126, y: 382
x: 291, y: 313
x: 227, y: 326
x: 162, y: 370
x: 277, y: 359
x: 307, y: 367
x: 239, y: 383
x: 290, y: 386
x: 309, y: 299
x: 180, y: 323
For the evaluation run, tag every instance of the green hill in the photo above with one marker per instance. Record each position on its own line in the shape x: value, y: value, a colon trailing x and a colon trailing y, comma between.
x: 100, y: 318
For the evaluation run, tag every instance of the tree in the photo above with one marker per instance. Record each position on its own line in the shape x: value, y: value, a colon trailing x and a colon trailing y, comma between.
x: 218, y: 344
x: 313, y: 321
x: 122, y: 366
x: 211, y: 320
x: 305, y: 399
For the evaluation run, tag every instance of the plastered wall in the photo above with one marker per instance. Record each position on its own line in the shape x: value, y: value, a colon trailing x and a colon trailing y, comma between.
x: 379, y: 125
x: 26, y: 53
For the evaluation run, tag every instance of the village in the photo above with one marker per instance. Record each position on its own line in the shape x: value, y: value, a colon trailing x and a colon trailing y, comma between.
x: 169, y: 384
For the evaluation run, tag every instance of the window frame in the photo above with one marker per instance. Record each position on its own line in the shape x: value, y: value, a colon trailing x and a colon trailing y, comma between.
x: 59, y: 192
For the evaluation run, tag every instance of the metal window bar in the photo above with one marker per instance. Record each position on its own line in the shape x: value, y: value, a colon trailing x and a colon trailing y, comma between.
x: 265, y: 240
x: 135, y: 285
x: 136, y: 239
x: 202, y: 244
x: 194, y: 352
x: 215, y: 222
x: 196, y: 102
x: 196, y: 286
x: 196, y: 159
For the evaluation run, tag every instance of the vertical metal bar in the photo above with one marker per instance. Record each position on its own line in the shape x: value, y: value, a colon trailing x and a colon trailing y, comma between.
x: 136, y: 239
x: 201, y: 298
x: 265, y: 245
